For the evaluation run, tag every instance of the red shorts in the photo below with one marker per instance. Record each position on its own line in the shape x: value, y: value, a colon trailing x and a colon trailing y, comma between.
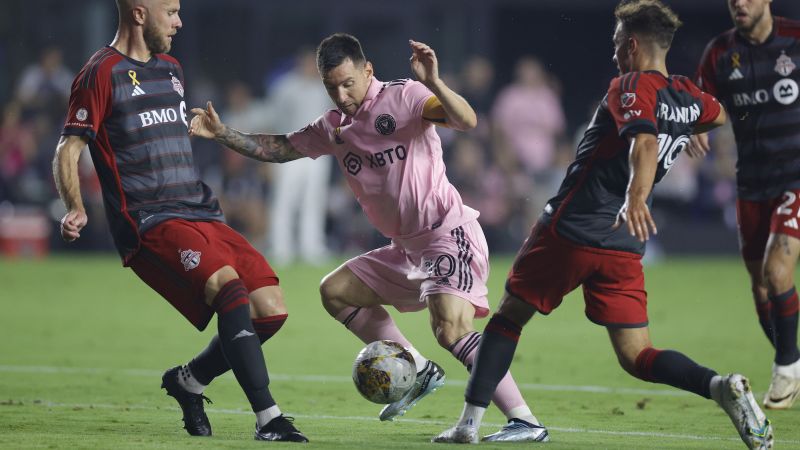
x: 548, y: 267
x: 177, y: 257
x: 757, y: 220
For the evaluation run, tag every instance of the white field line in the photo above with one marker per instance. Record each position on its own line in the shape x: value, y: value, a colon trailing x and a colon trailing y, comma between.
x: 444, y: 424
x: 340, y: 379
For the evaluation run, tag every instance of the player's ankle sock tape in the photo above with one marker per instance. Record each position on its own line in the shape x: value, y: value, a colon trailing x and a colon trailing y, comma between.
x: 266, y: 327
x: 495, y: 352
x: 785, y: 304
x: 675, y: 369
x: 764, y: 311
x: 784, y: 317
x: 231, y: 295
x: 241, y: 346
x: 211, y: 363
x: 644, y: 364
x: 464, y: 346
x: 506, y: 327
x: 372, y: 324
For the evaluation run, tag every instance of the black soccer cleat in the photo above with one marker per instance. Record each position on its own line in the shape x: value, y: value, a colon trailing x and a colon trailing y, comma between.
x: 195, y: 420
x: 280, y: 428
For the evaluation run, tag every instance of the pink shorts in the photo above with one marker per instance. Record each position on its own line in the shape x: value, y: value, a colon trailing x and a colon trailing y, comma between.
x: 403, y: 273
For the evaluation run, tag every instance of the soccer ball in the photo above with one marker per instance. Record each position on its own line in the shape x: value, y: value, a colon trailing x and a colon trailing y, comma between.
x: 384, y: 371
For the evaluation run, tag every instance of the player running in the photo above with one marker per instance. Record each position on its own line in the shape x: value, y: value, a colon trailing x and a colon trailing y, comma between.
x: 382, y: 134
x: 593, y: 232
x: 752, y: 69
x: 127, y: 105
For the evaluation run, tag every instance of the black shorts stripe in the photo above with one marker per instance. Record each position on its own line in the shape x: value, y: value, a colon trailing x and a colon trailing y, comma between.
x: 465, y: 277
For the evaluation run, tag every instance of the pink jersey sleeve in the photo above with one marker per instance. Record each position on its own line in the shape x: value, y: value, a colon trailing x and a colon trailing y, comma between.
x: 313, y: 140
x: 415, y: 94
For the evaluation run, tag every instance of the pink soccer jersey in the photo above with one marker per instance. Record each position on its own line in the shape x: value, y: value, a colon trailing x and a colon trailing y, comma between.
x: 392, y: 159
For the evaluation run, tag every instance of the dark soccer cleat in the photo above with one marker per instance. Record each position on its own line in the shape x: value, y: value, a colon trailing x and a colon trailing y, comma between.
x: 280, y: 428
x: 194, y: 416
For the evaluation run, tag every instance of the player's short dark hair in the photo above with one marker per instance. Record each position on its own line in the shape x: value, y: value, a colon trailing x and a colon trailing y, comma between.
x: 649, y: 19
x: 335, y: 49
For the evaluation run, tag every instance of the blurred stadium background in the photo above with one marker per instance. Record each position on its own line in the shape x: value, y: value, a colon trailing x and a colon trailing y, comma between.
x: 554, y: 53
x: 83, y: 343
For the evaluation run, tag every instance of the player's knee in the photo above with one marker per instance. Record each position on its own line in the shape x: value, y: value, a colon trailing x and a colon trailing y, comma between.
x: 447, y: 332
x: 628, y: 363
x: 217, y: 280
x: 777, y: 277
x: 267, y: 302
x: 333, y: 293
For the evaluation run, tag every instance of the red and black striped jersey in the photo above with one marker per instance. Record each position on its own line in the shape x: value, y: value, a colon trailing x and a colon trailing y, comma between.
x: 758, y: 84
x: 593, y: 191
x: 134, y: 115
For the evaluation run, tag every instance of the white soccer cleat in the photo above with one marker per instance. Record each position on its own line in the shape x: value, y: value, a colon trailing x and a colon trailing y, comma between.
x: 736, y: 398
x: 518, y: 430
x: 459, y: 434
x: 428, y: 380
x: 784, y: 389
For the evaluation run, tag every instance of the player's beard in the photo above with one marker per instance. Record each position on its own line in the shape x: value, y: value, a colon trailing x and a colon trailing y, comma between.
x: 155, y: 42
x: 756, y: 20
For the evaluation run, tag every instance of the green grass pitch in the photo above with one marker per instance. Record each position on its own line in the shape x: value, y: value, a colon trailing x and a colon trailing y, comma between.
x: 83, y: 344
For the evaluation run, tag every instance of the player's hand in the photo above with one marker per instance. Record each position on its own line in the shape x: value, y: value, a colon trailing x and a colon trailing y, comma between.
x: 72, y: 223
x: 698, y: 145
x: 636, y: 215
x: 424, y: 64
x: 206, y: 123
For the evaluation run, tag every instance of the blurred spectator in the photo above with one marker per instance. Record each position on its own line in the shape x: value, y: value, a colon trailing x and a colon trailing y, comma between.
x: 17, y: 149
x: 477, y: 87
x: 485, y: 187
x: 242, y: 185
x: 300, y: 198
x: 717, y: 178
x: 529, y: 125
x: 44, y: 87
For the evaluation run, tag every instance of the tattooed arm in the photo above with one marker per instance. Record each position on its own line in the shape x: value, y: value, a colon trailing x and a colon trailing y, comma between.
x: 263, y: 147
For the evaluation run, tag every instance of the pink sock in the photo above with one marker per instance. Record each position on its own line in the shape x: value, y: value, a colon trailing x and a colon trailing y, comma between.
x: 507, y: 396
x: 371, y: 324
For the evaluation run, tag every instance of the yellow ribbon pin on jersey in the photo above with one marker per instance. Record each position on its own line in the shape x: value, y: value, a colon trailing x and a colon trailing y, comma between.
x: 132, y: 75
x: 735, y: 60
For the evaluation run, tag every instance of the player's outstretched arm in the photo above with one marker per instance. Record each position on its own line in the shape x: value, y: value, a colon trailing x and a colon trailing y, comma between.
x: 458, y: 114
x: 65, y: 174
x: 263, y: 147
x: 643, y: 161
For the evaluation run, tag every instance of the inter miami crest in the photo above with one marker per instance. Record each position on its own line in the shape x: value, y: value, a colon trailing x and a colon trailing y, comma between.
x: 385, y: 124
x: 189, y: 258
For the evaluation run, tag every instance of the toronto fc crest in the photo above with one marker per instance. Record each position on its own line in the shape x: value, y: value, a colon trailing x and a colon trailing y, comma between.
x: 190, y: 259
x: 176, y: 85
x: 784, y: 65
